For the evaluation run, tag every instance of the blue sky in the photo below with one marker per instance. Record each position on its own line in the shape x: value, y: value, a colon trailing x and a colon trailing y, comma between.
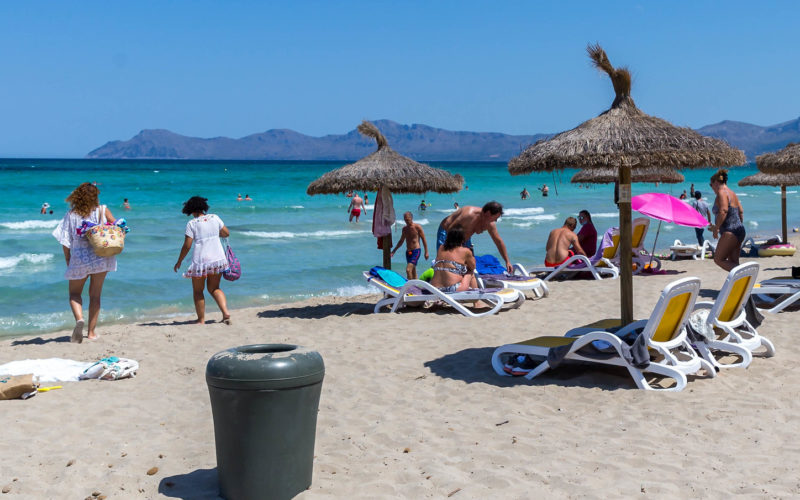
x: 74, y: 75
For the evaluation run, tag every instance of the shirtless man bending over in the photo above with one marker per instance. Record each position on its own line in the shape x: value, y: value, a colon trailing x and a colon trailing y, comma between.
x: 355, y: 208
x: 559, y: 241
x: 412, y: 233
x: 475, y: 220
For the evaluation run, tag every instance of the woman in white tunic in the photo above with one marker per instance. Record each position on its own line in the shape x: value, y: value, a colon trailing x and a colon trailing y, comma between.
x: 82, y: 262
x: 208, y: 256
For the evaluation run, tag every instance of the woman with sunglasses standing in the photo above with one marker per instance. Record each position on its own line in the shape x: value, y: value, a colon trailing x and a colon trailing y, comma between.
x: 729, y: 222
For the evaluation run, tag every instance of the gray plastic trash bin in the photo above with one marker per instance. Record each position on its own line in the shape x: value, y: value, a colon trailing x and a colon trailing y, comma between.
x: 264, y: 399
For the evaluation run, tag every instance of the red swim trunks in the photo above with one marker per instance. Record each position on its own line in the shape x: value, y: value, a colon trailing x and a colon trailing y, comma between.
x: 570, y: 253
x: 355, y: 212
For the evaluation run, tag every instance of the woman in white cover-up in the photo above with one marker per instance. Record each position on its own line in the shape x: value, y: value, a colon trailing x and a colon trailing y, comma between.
x: 82, y: 262
x: 208, y: 256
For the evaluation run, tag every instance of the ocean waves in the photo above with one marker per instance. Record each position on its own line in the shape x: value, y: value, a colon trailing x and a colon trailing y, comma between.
x: 30, y: 224
x: 34, y: 259
x: 283, y: 235
x: 513, y: 212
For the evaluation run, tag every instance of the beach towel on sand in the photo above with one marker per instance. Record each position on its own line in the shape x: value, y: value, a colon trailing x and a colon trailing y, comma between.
x: 68, y: 370
x: 47, y: 370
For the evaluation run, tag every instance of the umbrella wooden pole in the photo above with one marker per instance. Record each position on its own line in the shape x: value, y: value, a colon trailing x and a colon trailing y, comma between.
x: 386, y: 243
x: 783, y: 214
x: 625, y: 245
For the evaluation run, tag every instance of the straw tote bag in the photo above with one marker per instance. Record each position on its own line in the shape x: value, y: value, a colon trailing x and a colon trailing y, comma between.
x: 106, y: 239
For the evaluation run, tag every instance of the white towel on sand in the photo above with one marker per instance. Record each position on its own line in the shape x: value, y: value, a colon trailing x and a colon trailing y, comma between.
x: 48, y: 370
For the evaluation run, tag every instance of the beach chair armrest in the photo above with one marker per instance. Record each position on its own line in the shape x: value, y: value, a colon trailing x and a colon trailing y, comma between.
x: 520, y: 269
x: 631, y: 327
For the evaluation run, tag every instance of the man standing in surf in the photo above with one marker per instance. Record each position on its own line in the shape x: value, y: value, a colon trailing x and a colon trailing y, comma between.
x: 355, y: 208
x: 475, y: 220
x: 412, y: 233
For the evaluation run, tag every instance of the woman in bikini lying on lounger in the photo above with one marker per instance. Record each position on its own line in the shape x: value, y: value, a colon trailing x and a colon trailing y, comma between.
x: 454, y: 267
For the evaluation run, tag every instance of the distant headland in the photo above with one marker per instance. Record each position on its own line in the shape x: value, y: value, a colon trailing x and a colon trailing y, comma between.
x: 417, y: 141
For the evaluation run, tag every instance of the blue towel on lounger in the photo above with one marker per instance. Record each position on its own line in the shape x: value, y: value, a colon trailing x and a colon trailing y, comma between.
x: 488, y: 264
x: 389, y: 277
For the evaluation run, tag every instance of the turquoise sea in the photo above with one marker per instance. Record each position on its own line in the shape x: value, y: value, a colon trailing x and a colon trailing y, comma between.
x: 292, y: 246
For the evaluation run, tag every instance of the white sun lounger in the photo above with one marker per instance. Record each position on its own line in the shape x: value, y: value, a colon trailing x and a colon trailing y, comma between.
x: 575, y: 264
x: 694, y: 251
x: 520, y: 282
x: 776, y: 294
x: 418, y: 291
x: 664, y: 334
x: 724, y: 323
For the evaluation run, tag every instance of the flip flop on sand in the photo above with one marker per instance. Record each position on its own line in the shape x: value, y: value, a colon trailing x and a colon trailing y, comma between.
x: 77, y: 332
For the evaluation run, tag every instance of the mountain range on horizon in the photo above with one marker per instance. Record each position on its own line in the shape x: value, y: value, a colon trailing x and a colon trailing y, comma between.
x: 417, y: 141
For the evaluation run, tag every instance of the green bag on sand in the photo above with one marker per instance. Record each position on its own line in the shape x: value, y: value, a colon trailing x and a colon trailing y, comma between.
x: 16, y: 386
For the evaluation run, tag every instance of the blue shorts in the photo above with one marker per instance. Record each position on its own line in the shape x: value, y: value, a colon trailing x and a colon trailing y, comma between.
x: 441, y: 236
x: 412, y: 256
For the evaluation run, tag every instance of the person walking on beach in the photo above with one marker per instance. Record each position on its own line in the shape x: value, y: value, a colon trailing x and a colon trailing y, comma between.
x: 587, y: 236
x: 558, y: 244
x: 355, y: 208
x: 475, y: 220
x: 729, y: 222
x: 702, y: 208
x: 412, y: 233
x: 208, y: 256
x: 82, y: 262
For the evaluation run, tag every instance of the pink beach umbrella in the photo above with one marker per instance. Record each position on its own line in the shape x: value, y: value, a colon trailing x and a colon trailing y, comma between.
x: 667, y: 208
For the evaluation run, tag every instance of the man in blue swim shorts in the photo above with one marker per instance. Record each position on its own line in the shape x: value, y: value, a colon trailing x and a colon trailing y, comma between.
x: 412, y: 233
x: 475, y: 220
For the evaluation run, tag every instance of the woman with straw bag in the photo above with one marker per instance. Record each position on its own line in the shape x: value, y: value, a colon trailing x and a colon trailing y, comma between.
x: 82, y: 261
x: 208, y: 256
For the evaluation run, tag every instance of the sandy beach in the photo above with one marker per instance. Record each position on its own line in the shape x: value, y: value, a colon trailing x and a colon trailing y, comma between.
x: 411, y: 408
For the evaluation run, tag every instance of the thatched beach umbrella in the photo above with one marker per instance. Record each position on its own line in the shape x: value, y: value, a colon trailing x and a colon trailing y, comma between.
x: 782, y: 180
x: 608, y: 175
x: 785, y: 161
x: 624, y: 138
x: 388, y: 169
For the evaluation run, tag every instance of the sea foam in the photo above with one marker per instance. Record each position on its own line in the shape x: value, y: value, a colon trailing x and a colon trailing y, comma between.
x: 31, y: 258
x: 511, y: 212
x: 280, y: 235
x: 541, y: 217
x: 30, y: 224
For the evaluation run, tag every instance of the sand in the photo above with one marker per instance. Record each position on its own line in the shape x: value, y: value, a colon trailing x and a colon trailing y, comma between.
x: 411, y: 408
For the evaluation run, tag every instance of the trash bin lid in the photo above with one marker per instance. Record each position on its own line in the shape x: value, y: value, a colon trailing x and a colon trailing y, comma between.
x: 265, y: 367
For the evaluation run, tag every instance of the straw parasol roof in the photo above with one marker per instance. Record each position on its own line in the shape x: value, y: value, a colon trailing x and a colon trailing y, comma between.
x: 782, y: 180
x: 784, y: 161
x: 599, y: 175
x: 385, y: 168
x: 626, y: 139
x: 624, y: 135
x: 769, y: 179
